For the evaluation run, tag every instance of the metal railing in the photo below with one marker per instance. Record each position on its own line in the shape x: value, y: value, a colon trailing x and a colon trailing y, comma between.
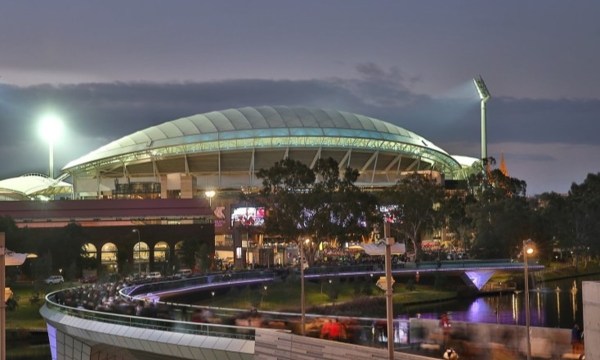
x: 217, y: 330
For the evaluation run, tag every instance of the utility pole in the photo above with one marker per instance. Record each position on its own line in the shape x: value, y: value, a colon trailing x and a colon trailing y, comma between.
x: 389, y: 292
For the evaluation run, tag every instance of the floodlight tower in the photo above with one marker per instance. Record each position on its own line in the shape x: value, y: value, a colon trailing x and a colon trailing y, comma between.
x: 50, y: 130
x: 484, y: 95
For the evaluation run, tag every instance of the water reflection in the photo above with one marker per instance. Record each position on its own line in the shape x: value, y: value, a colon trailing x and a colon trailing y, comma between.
x: 574, y: 298
x: 551, y: 306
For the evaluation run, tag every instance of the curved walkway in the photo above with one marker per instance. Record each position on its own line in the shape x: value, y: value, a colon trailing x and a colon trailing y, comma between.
x: 77, y: 333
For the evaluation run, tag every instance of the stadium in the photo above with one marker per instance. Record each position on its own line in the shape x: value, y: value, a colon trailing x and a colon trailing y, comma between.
x: 222, y: 150
x: 213, y: 158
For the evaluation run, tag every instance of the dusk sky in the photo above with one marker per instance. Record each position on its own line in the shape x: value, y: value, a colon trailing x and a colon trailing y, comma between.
x: 110, y: 68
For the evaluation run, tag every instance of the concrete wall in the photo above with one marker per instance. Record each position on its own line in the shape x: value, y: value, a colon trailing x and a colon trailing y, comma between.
x: 492, y: 340
x: 280, y: 345
x: 591, y: 319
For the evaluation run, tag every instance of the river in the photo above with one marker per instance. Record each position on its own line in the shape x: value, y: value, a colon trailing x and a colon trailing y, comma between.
x: 556, y: 304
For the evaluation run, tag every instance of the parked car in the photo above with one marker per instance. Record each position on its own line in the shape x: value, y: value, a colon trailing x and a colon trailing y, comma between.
x: 54, y: 280
x: 154, y: 275
x: 183, y: 273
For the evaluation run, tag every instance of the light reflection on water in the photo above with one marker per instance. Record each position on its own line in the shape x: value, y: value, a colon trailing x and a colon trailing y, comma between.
x: 553, y: 304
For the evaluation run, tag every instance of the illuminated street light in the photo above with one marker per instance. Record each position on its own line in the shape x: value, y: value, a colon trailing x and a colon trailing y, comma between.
x: 302, y: 297
x: 7, y: 258
x: 527, y: 250
x: 210, y: 194
x: 50, y: 130
x: 484, y: 95
x: 139, y: 243
x: 389, y: 292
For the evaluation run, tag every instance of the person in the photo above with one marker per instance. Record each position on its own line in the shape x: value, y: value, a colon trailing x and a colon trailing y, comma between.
x: 325, y: 329
x: 446, y: 326
x: 450, y: 354
x: 445, y: 322
x: 335, y: 330
x: 576, y: 339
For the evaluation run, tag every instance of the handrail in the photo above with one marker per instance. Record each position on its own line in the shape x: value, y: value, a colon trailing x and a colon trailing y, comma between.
x: 173, y: 284
x: 218, y: 330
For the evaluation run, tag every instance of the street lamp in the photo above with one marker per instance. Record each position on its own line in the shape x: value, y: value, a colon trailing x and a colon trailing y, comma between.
x: 137, y: 246
x: 527, y: 250
x: 210, y: 194
x: 302, y: 297
x: 484, y: 95
x: 389, y: 292
x: 50, y: 130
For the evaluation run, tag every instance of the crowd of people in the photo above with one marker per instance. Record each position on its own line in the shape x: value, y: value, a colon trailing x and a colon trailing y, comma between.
x: 105, y: 297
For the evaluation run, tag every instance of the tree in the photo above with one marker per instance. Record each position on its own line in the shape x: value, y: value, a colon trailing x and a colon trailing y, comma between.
x: 501, y: 216
x: 12, y: 234
x: 584, y: 202
x: 552, y: 222
x: 419, y: 200
x: 457, y: 219
x: 316, y: 203
x: 286, y: 196
x: 342, y: 210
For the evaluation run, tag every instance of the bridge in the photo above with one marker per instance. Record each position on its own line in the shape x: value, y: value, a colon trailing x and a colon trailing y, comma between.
x: 77, y: 333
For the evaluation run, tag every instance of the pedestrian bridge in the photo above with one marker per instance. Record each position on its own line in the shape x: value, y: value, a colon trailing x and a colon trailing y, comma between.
x: 77, y: 333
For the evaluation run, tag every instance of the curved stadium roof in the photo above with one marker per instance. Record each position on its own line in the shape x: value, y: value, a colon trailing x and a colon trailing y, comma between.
x: 254, y: 129
x: 32, y: 186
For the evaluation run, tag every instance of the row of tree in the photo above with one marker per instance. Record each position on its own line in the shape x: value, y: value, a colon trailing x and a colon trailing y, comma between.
x: 489, y: 216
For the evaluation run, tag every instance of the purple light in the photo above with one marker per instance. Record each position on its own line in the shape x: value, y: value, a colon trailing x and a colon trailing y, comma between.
x: 479, y: 278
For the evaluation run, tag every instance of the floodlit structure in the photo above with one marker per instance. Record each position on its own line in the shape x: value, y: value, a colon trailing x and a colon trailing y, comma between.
x: 484, y: 95
x: 222, y: 150
x: 50, y: 130
x: 214, y: 157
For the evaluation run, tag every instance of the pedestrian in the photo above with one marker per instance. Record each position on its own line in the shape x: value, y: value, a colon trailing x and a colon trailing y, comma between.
x: 576, y: 339
x: 450, y: 354
x: 325, y: 329
x: 446, y: 326
x: 335, y: 330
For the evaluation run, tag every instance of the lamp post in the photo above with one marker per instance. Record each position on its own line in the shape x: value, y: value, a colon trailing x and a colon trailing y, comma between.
x: 50, y: 130
x: 2, y: 299
x: 302, y: 297
x: 137, y: 246
x: 484, y: 96
x: 389, y: 292
x: 210, y: 194
x: 7, y: 258
x: 527, y: 250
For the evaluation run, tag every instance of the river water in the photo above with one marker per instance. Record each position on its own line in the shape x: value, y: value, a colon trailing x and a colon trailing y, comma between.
x: 555, y: 304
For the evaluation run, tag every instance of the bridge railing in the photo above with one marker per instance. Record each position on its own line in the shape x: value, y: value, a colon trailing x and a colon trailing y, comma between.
x: 216, y: 330
x: 207, y: 279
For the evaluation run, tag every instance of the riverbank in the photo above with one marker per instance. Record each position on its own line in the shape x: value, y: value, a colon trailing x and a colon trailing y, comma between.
x: 348, y: 297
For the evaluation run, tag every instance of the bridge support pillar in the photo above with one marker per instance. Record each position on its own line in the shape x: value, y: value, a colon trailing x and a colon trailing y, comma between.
x: 477, y: 278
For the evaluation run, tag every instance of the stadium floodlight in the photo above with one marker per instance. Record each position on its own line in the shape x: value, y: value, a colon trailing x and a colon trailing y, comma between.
x: 50, y: 130
x: 484, y: 96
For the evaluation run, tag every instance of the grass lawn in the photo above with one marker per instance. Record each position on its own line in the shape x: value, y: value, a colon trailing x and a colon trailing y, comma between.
x: 27, y: 314
x: 285, y: 296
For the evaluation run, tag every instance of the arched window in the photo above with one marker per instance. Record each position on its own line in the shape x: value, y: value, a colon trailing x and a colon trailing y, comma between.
x: 179, y: 249
x: 90, y: 251
x: 161, y: 252
x: 109, y: 253
x: 141, y: 253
